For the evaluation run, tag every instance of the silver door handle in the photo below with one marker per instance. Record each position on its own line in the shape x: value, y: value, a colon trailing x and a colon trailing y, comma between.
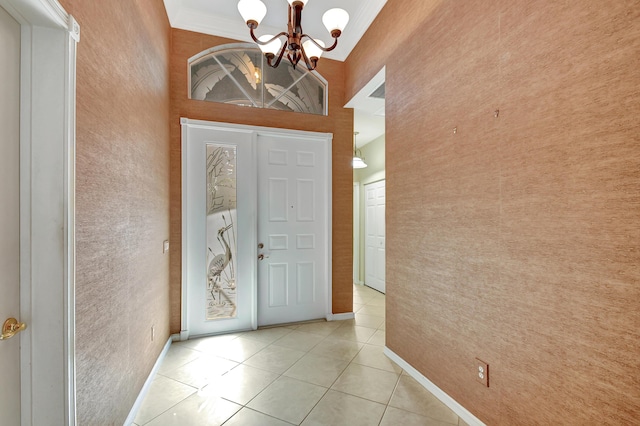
x: 262, y: 256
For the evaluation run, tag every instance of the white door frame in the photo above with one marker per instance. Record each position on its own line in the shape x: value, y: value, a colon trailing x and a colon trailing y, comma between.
x: 47, y: 209
x: 356, y: 234
x: 255, y: 130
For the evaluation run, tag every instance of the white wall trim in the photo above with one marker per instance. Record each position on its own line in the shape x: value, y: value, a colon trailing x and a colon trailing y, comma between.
x: 329, y: 223
x: 147, y: 384
x: 356, y: 232
x: 47, y: 210
x: 462, y: 412
x: 184, y: 294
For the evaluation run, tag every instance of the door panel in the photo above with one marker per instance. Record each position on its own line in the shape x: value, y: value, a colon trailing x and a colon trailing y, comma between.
x: 293, y: 226
x: 9, y: 214
x: 218, y: 230
x: 375, y: 236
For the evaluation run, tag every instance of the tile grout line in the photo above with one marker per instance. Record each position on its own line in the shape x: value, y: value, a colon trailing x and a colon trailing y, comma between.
x: 390, y: 398
x: 280, y: 375
x: 367, y: 301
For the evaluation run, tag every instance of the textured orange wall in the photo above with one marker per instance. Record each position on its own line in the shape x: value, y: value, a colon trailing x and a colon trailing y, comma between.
x: 186, y: 44
x: 122, y: 202
x: 390, y: 31
x: 516, y: 238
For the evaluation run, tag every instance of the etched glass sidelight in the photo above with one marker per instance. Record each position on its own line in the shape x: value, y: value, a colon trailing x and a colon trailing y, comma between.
x: 221, y: 232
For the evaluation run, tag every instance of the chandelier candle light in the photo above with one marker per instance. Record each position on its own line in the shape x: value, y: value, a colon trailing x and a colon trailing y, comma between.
x: 253, y: 11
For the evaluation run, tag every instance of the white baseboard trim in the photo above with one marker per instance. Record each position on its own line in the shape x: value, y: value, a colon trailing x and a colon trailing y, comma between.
x: 341, y: 317
x: 145, y: 389
x: 359, y: 282
x: 176, y: 337
x: 462, y: 412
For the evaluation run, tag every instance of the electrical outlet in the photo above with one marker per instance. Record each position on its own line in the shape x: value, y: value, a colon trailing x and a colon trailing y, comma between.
x: 153, y: 332
x: 482, y: 372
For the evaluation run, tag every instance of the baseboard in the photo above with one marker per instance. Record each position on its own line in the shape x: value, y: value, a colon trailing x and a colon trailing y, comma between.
x: 341, y: 317
x: 145, y: 389
x: 359, y: 282
x: 462, y: 412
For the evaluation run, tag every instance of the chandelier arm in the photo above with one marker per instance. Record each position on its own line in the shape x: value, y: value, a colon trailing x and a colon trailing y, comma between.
x: 263, y: 43
x: 311, y: 64
x: 280, y: 55
x: 324, y: 49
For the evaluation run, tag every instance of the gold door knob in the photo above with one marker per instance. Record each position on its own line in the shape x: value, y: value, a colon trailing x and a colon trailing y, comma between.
x: 11, y: 327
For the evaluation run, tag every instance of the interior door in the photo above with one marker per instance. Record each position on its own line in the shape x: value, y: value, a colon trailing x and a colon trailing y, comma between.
x: 219, y: 232
x: 375, y: 236
x: 293, y: 228
x: 9, y: 214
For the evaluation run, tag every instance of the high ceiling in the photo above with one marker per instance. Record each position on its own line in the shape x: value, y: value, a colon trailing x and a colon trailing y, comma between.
x: 221, y: 18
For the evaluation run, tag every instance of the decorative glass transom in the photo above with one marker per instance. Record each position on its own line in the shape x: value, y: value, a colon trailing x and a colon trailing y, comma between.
x: 238, y: 74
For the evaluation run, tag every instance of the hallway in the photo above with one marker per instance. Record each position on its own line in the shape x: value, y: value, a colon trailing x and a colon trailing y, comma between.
x: 322, y: 373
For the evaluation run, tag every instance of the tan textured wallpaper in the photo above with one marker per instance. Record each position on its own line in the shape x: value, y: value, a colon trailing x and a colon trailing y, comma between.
x: 514, y: 238
x: 186, y: 44
x: 122, y: 202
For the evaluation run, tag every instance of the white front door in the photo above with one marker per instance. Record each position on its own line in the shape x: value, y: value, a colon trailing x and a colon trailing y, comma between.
x: 293, y: 214
x: 375, y: 236
x: 219, y: 234
x: 241, y: 182
x: 9, y: 215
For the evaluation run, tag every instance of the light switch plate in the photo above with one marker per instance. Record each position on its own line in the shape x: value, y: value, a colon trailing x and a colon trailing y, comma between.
x: 165, y: 246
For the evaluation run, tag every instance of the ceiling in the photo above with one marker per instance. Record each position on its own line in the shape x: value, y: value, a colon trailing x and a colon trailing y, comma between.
x: 221, y: 18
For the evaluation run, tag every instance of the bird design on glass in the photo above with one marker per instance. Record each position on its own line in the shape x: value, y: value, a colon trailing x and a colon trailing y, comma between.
x: 219, y: 262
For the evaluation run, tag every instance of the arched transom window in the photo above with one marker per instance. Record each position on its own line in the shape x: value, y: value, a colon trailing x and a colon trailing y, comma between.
x: 238, y: 74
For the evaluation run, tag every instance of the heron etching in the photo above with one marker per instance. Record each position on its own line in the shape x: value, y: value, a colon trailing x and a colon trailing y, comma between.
x: 219, y: 262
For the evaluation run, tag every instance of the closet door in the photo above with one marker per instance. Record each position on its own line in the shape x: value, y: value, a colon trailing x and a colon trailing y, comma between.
x: 9, y: 214
x: 375, y: 235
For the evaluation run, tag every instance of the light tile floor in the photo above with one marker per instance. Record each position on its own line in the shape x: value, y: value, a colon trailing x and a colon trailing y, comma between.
x: 322, y: 373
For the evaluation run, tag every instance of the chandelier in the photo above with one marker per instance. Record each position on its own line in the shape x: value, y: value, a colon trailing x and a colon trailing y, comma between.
x: 253, y: 11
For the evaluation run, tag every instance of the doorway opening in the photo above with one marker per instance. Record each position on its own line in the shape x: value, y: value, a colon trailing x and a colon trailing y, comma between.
x: 369, y: 124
